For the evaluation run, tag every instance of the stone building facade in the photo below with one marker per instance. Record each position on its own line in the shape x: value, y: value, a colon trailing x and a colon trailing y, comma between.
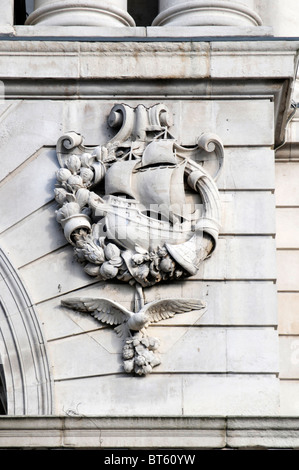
x: 229, y: 372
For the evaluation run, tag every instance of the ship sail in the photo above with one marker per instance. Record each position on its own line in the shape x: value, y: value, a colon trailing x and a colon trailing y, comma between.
x: 118, y: 179
x: 159, y: 182
x: 159, y: 152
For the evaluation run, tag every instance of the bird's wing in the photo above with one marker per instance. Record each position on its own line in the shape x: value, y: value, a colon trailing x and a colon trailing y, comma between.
x: 166, y: 308
x: 103, y: 310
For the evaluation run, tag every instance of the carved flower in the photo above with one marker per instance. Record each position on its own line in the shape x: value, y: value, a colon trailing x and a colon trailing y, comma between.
x: 108, y: 271
x: 146, y: 369
x: 140, y: 360
x: 92, y: 269
x: 63, y: 174
x: 167, y: 265
x: 112, y: 251
x: 60, y: 195
x: 85, y: 159
x: 67, y: 210
x: 128, y: 351
x: 143, y: 271
x: 129, y: 365
x: 86, y: 175
x: 75, y: 181
x: 139, y: 258
x: 73, y: 163
x: 82, y: 197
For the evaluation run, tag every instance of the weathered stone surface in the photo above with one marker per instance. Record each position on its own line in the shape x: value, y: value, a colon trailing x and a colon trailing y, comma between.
x: 169, y: 395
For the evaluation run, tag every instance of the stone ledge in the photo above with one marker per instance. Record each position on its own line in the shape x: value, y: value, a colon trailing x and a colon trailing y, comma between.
x: 138, y: 31
x: 148, y: 433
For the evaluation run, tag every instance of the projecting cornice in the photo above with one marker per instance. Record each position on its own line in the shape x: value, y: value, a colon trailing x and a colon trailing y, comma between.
x: 180, y: 68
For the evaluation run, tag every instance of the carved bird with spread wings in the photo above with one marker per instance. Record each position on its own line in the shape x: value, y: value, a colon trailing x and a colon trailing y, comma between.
x: 112, y: 313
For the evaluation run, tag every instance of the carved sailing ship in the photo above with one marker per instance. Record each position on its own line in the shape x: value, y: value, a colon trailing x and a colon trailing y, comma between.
x: 145, y: 199
x: 141, y: 230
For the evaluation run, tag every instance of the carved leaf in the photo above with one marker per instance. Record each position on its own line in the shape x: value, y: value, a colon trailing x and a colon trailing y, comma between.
x: 103, y: 310
x: 166, y: 308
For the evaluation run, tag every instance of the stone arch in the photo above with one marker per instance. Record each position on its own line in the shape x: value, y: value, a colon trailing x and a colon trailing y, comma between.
x: 22, y: 348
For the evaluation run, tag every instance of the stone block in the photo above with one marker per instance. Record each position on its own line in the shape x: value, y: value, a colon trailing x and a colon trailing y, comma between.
x: 84, y: 355
x: 247, y: 212
x: 247, y: 168
x: 66, y: 274
x: 230, y: 395
x: 144, y: 60
x: 120, y: 396
x: 252, y: 350
x: 287, y: 223
x: 289, y: 357
x: 267, y: 60
x: 28, y: 125
x: 64, y: 61
x: 287, y: 270
x: 236, y: 122
x: 36, y: 180
x: 287, y: 190
x: 41, y: 229
x: 224, y: 302
x: 288, y: 313
x: 263, y: 433
x: 289, y: 398
x: 241, y: 258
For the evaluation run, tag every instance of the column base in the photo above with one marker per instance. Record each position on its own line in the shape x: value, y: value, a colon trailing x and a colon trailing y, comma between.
x: 85, y: 13
x: 208, y: 13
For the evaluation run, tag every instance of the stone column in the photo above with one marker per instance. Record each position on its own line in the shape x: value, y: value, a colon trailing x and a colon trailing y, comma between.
x: 81, y: 13
x: 205, y: 13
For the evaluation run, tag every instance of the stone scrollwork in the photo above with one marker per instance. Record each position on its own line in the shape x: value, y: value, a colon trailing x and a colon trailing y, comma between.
x: 124, y: 210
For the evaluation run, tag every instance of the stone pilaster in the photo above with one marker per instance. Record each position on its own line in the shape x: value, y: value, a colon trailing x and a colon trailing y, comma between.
x: 205, y: 13
x: 6, y: 17
x: 81, y: 13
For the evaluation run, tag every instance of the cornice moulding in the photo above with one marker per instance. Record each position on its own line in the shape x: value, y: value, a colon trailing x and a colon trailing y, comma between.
x: 151, y: 433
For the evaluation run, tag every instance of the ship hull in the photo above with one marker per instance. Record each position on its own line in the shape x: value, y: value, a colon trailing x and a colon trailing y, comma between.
x: 125, y: 223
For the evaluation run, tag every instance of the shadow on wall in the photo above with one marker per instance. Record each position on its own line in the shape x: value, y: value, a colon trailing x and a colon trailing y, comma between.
x: 3, y: 396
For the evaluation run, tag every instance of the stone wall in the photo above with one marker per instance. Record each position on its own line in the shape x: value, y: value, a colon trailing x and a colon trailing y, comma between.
x: 224, y: 362
x: 235, y: 357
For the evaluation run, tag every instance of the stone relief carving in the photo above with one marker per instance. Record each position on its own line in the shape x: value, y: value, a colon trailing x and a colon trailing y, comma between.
x: 124, y: 210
